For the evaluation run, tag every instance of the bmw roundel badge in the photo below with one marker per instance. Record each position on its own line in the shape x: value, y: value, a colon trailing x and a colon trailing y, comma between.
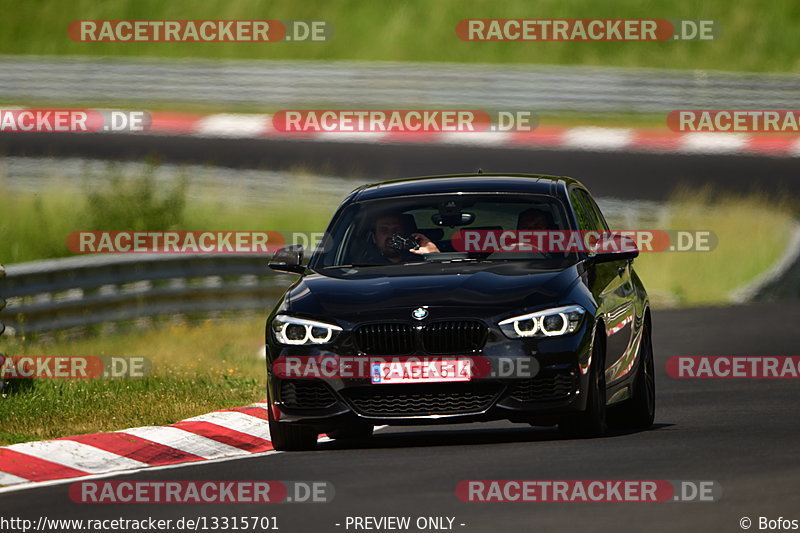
x: 419, y: 313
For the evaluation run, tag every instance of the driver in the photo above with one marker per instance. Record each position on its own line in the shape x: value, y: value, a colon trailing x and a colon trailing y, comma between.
x: 534, y: 219
x: 399, y: 224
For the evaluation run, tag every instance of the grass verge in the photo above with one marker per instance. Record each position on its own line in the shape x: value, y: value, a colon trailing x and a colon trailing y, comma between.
x: 196, y: 369
x: 419, y: 30
x: 545, y: 118
x: 752, y: 233
x: 35, y: 225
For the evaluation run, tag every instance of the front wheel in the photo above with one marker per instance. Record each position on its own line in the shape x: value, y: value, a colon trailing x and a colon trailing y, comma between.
x: 591, y: 422
x: 639, y: 411
x: 291, y: 437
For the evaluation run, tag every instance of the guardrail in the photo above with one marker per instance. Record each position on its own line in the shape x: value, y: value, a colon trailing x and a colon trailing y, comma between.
x: 79, y: 292
x: 285, y: 84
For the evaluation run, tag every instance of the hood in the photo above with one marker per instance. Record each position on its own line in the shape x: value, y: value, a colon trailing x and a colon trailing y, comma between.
x: 375, y: 293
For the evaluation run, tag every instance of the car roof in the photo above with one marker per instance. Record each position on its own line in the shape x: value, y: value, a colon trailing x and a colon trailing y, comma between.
x: 519, y: 183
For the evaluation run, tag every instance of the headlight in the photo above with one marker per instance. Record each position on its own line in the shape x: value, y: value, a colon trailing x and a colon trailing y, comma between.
x: 546, y: 323
x: 292, y: 330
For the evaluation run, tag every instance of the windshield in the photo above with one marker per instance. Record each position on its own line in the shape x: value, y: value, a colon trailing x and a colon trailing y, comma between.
x: 441, y: 228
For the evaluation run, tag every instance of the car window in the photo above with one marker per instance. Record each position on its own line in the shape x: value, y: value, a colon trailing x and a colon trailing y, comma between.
x: 377, y: 232
x: 585, y: 220
x: 594, y: 211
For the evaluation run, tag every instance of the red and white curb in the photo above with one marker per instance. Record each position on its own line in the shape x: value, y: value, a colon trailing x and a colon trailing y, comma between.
x: 589, y: 138
x: 230, y: 433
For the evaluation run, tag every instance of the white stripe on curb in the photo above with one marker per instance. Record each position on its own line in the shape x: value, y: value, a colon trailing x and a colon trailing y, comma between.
x: 795, y: 149
x: 711, y: 143
x: 593, y: 138
x: 476, y: 138
x: 250, y: 425
x: 76, y: 455
x: 9, y: 479
x: 231, y: 125
x: 185, y: 441
x: 37, y: 484
x: 350, y: 136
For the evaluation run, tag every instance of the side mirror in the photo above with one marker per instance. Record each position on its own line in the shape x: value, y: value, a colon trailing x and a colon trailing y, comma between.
x: 288, y: 259
x: 615, y: 247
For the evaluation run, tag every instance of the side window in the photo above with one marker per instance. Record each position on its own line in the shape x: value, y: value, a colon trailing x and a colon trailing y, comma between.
x: 594, y: 211
x: 585, y: 222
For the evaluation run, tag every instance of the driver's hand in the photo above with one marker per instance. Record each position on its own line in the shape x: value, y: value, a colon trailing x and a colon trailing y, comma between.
x: 426, y: 246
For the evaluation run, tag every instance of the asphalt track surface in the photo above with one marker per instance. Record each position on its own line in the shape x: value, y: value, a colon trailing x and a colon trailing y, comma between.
x: 635, y: 175
x: 742, y: 433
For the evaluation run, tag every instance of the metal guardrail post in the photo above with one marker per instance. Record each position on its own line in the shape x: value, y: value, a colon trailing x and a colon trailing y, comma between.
x: 80, y: 292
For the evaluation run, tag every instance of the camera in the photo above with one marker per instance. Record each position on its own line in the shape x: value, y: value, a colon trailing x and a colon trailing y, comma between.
x: 403, y: 242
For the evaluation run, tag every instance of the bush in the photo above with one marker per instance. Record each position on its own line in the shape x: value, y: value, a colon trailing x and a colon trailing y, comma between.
x: 134, y: 204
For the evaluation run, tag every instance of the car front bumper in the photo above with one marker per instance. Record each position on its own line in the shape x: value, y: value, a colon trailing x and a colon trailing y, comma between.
x: 557, y: 388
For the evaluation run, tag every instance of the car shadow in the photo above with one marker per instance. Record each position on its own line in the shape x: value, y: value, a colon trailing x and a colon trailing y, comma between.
x: 432, y: 436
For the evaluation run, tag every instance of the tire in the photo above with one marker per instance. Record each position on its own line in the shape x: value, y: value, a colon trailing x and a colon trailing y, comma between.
x: 639, y: 411
x: 291, y: 437
x: 591, y: 422
x: 356, y: 432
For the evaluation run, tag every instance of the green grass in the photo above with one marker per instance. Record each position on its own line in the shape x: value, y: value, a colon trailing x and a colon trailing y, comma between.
x: 756, y: 36
x: 196, y: 369
x: 36, y: 225
x: 545, y: 118
x: 752, y: 234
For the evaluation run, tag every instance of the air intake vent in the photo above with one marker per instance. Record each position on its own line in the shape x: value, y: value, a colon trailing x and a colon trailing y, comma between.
x: 548, y: 386
x: 422, y: 400
x: 306, y: 394
x: 385, y: 339
x: 453, y: 337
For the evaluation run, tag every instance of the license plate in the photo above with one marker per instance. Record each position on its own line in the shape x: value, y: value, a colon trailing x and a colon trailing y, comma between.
x: 421, y: 371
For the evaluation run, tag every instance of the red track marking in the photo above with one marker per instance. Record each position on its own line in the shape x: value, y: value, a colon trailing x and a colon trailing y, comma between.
x: 34, y: 469
x: 174, y: 123
x: 657, y: 140
x: 772, y: 145
x: 258, y: 412
x: 226, y: 436
x: 135, y: 448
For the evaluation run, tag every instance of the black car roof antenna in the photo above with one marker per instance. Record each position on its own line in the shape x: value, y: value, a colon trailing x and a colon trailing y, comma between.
x: 480, y: 171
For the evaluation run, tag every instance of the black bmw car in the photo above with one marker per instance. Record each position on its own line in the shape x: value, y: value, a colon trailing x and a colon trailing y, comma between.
x: 424, y: 303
